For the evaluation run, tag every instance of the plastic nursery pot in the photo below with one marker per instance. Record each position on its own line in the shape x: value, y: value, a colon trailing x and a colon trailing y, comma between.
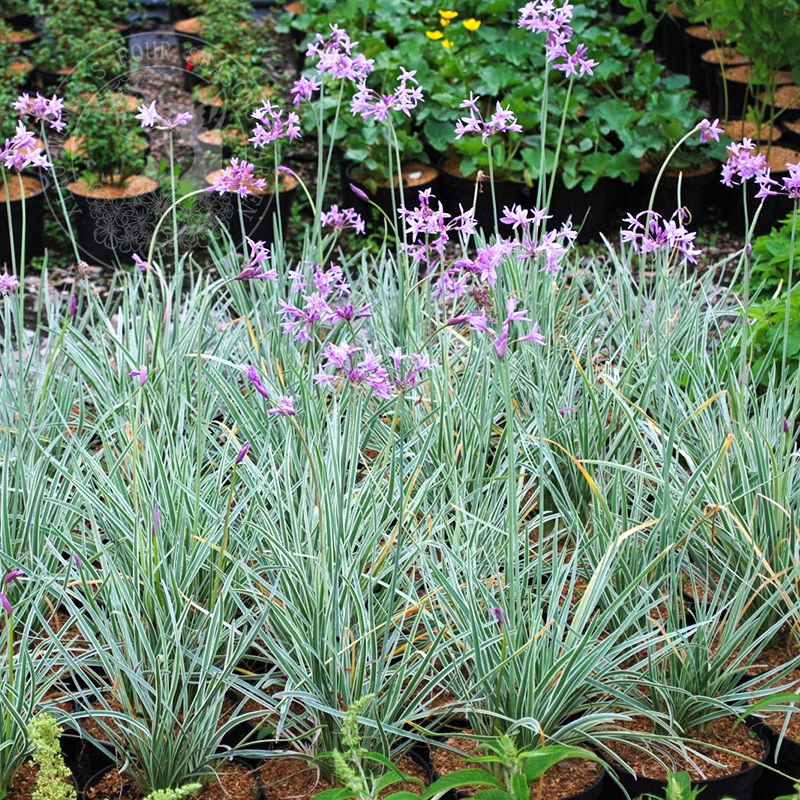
x: 695, y: 186
x: 54, y: 79
x: 261, y: 213
x: 211, y: 107
x: 712, y: 62
x: 775, y: 208
x: 417, y: 177
x: 592, y: 212
x: 111, y: 223
x: 741, y: 91
x: 700, y: 39
x: 673, y: 44
x: 736, y: 786
x: 784, y: 757
x: 34, y: 189
x: 83, y: 757
x: 458, y: 193
x: 790, y: 130
x: 233, y: 780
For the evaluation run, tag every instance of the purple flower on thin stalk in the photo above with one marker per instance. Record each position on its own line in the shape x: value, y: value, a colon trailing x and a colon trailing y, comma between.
x: 242, y: 453
x: 150, y: 118
x: 15, y: 573
x: 564, y: 410
x: 709, y: 130
x: 304, y: 89
x: 42, y: 109
x: 8, y: 284
x: 574, y: 64
x: 156, y: 520
x: 743, y: 164
x: 499, y: 616
x: 359, y: 192
x: 4, y: 601
x: 73, y: 305
x: 300, y: 322
x: 409, y: 367
x: 140, y: 373
x: 271, y: 126
x: 252, y: 375
x: 255, y: 268
x: 334, y: 56
x: 348, y: 369
x: 21, y: 152
x: 791, y: 183
x: 655, y: 233
x: 367, y: 103
x: 785, y: 425
x: 341, y: 219
x: 285, y: 407
x: 238, y: 178
x: 143, y: 265
x: 502, y: 121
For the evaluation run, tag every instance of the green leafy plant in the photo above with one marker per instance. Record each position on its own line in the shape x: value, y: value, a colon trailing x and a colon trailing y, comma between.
x: 175, y: 794
x: 53, y: 779
x: 679, y: 787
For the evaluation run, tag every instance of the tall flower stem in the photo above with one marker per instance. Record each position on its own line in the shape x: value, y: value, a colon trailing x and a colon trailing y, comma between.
x: 67, y: 220
x: 10, y: 218
x: 559, y: 142
x: 174, y: 206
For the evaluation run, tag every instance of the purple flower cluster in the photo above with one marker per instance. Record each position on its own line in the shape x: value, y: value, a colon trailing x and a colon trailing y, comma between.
x: 8, y: 284
x: 42, y: 110
x: 487, y: 259
x: 304, y: 89
x: 4, y: 601
x: 367, y: 103
x: 324, y: 305
x: 150, y: 118
x: 271, y: 126
x: 256, y: 263
x: 541, y: 16
x: 791, y: 183
x: 21, y: 152
x: 348, y: 368
x: 654, y: 234
x: 334, y: 56
x: 238, y: 178
x: 408, y: 368
x: 430, y: 227
x: 503, y: 120
x: 483, y: 323
x: 552, y: 245
x: 342, y: 218
x: 743, y: 164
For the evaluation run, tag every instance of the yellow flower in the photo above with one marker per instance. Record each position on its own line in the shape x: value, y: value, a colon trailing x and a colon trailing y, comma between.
x: 444, y: 22
x: 472, y: 24
x: 434, y: 35
x: 446, y: 43
x: 448, y: 15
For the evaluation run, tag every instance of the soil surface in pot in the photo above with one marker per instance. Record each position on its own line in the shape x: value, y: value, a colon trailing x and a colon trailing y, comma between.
x: 139, y: 184
x: 768, y: 660
x: 786, y: 96
x: 747, y: 747
x: 233, y: 781
x: 726, y: 56
x: 17, y: 68
x: 287, y: 778
x: 31, y: 186
x: 414, y: 174
x: 193, y: 26
x: 24, y: 782
x: 745, y: 72
x: 566, y: 779
x: 738, y: 129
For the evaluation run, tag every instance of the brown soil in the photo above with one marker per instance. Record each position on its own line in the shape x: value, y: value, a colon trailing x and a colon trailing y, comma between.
x: 214, y: 137
x: 727, y: 56
x: 721, y: 734
x: 287, y: 182
x: 737, y: 129
x: 209, y: 96
x: 31, y: 186
x: 295, y: 7
x: 708, y: 34
x: 24, y: 782
x: 200, y: 57
x: 24, y: 36
x: 193, y: 26
x: 139, y: 184
x: 17, y: 68
x: 768, y: 660
x: 288, y: 778
x: 112, y: 102
x: 744, y: 74
x: 565, y: 779
x: 787, y: 96
x: 674, y: 11
x: 779, y: 157
x: 232, y: 781
x: 414, y: 174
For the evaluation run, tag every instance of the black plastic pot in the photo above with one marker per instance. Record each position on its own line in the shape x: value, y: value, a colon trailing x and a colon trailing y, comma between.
x: 711, y: 68
x: 109, y: 230
x: 784, y: 758
x: 791, y: 133
x: 697, y: 43
x: 739, y: 786
x: 695, y: 193
x: 83, y: 757
x: 592, y: 212
x: 34, y: 225
x: 457, y: 195
x: 673, y: 43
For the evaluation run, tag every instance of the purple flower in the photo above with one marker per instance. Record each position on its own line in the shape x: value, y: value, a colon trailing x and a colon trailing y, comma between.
x: 657, y: 233
x: 503, y: 120
x: 73, y: 305
x: 359, y: 192
x: 285, y: 407
x: 143, y: 265
x: 304, y: 88
x: 238, y: 178
x: 271, y: 126
x: 254, y: 270
x: 21, y: 152
x: 340, y: 219
x: 409, y: 367
x: 152, y: 119
x: 573, y: 64
x: 743, y: 164
x: 252, y: 375
x: 367, y: 103
x: 15, y: 573
x: 791, y: 184
x: 140, y: 373
x: 42, y: 109
x: 6, y: 604
x: 334, y: 56
x: 785, y: 425
x: 500, y: 616
x: 156, y: 520
x: 242, y: 453
x: 709, y: 130
x: 300, y: 322
x: 564, y: 410
x: 347, y: 369
x: 8, y: 284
